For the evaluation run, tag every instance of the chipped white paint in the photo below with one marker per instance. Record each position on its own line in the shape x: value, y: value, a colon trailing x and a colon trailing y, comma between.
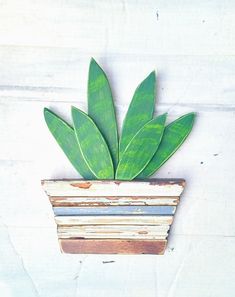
x: 45, y: 47
x: 113, y: 231
x: 89, y: 201
x: 112, y: 220
x: 111, y: 188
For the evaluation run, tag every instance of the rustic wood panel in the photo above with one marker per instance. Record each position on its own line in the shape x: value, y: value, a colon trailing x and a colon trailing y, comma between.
x: 116, y: 27
x: 110, y: 246
x: 112, y: 200
x: 151, y: 187
x: 114, y: 210
x: 113, y: 231
x: 176, y: 74
x: 113, y: 220
x: 192, y: 47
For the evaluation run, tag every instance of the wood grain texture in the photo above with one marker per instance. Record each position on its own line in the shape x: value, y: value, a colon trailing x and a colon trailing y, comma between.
x: 174, y: 136
x: 113, y: 220
x: 175, y: 74
x: 92, y: 144
x: 109, y: 246
x: 140, y: 111
x: 101, y: 108
x: 113, y: 200
x: 45, y: 52
x: 114, y: 210
x: 114, y: 231
x: 141, y: 149
x: 187, y: 34
x: 151, y: 187
x: 65, y: 136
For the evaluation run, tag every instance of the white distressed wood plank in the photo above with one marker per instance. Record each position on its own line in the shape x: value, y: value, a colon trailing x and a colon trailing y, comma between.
x: 113, y: 220
x: 113, y: 231
x: 52, y: 75
x: 204, y: 27
x: 118, y: 200
x: 113, y: 188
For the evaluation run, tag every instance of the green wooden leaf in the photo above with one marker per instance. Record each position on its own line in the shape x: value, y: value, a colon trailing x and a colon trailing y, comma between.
x: 174, y: 135
x: 101, y: 107
x: 141, y: 149
x: 93, y: 146
x: 140, y: 111
x: 66, y: 138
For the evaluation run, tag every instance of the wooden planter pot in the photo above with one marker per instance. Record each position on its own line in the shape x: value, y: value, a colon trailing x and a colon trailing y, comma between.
x: 113, y: 217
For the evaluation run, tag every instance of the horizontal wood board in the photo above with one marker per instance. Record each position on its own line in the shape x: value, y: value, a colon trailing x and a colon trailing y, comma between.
x: 113, y: 231
x: 113, y: 200
x: 110, y: 246
x: 113, y: 220
x: 114, y: 210
x: 152, y: 187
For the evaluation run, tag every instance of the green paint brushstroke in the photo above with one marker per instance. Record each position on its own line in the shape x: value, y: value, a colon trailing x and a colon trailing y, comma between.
x: 66, y: 138
x: 101, y: 107
x: 173, y: 137
x: 140, y: 111
x: 93, y: 146
x: 141, y: 149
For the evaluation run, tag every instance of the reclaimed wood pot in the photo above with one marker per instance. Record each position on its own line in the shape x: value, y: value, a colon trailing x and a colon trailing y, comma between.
x: 113, y: 217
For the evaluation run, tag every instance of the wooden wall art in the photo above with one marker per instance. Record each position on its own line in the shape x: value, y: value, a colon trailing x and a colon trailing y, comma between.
x: 116, y: 208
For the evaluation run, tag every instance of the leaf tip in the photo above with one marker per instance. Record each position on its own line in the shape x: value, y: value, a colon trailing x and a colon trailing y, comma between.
x: 73, y: 111
x: 164, y: 115
x: 93, y: 64
x: 152, y: 76
x: 45, y: 110
x: 153, y: 73
x: 92, y: 61
x: 47, y: 114
x: 192, y: 115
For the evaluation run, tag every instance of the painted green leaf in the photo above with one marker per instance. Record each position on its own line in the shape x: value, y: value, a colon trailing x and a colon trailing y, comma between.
x: 66, y: 138
x: 141, y: 149
x: 101, y: 107
x: 174, y: 135
x: 93, y: 146
x: 140, y: 111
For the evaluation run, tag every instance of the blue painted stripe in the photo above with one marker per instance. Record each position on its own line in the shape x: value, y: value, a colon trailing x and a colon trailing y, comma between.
x: 115, y: 210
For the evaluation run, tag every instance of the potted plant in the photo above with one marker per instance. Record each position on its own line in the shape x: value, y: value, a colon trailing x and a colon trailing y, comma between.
x: 116, y: 208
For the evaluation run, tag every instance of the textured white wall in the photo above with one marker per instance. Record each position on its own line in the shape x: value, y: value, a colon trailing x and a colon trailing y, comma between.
x: 45, y: 47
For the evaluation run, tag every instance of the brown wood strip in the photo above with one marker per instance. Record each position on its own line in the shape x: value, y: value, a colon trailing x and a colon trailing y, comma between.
x: 112, y: 246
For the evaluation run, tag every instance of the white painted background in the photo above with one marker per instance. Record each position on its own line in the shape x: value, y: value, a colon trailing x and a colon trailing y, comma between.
x: 45, y: 48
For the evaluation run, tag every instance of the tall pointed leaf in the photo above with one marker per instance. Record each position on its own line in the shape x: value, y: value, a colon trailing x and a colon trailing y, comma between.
x: 93, y: 146
x: 66, y: 138
x: 101, y: 108
x: 174, y: 135
x: 140, y: 111
x: 141, y: 149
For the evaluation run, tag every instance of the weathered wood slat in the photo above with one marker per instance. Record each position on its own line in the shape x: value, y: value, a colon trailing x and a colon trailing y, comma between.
x: 152, y: 187
x: 112, y: 200
x: 111, y: 246
x: 108, y: 216
x: 114, y: 210
x: 113, y: 231
x: 113, y: 220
